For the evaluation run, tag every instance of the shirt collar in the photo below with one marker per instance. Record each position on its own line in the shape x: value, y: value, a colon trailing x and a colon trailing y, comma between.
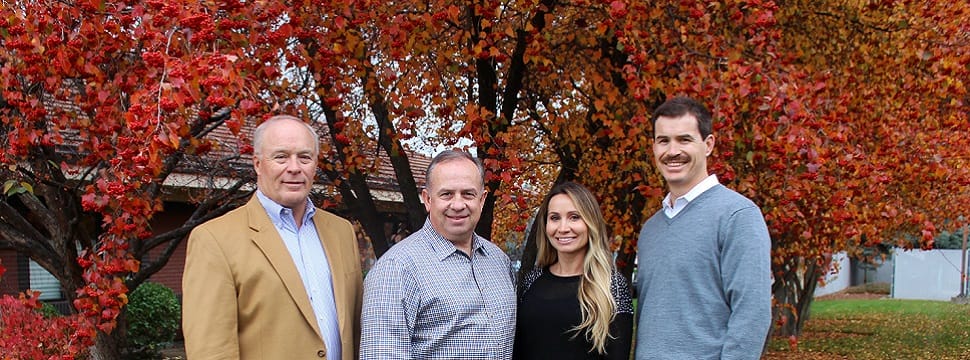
x: 443, y: 248
x: 275, y: 210
x: 708, y: 182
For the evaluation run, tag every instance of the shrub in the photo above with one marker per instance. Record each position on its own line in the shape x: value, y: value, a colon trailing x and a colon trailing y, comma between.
x: 48, y: 310
x: 26, y: 334
x: 949, y: 240
x: 153, y: 320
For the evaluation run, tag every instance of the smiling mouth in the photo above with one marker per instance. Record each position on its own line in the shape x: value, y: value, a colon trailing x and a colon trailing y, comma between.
x: 675, y: 160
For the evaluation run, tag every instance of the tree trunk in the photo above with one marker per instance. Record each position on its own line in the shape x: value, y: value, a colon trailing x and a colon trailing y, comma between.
x: 625, y: 263
x: 794, y: 293
x: 529, y: 254
x: 111, y: 346
x: 371, y: 221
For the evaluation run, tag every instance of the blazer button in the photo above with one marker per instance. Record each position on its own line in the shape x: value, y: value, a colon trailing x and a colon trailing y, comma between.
x: 321, y: 353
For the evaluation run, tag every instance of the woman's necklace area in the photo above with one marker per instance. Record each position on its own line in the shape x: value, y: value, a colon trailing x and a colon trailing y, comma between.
x: 563, y: 273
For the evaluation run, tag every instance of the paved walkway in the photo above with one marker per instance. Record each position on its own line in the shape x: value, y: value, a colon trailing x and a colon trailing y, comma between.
x: 175, y: 352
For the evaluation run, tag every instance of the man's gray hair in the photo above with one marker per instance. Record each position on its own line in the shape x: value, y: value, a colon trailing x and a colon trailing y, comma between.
x: 261, y: 129
x: 449, y: 155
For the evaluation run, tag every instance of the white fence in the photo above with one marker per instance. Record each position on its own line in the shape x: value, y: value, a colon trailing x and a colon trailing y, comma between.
x: 837, y: 277
x: 926, y: 275
x: 915, y: 274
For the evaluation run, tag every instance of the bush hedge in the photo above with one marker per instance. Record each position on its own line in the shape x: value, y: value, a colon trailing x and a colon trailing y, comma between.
x: 153, y: 314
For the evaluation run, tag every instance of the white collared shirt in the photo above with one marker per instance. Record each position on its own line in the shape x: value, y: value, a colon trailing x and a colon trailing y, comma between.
x: 681, y: 202
x: 311, y: 262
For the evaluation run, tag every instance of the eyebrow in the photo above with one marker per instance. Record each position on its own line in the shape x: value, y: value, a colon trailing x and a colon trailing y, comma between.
x: 286, y: 151
x: 681, y: 136
x: 441, y: 190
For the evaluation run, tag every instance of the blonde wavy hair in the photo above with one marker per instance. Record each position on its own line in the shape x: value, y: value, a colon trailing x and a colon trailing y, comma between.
x: 595, y: 298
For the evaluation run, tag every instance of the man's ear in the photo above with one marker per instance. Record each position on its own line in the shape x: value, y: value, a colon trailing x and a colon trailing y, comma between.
x: 481, y: 204
x: 709, y: 142
x: 425, y: 198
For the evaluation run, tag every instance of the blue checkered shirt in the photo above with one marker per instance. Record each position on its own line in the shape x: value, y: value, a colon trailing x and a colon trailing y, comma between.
x: 425, y: 299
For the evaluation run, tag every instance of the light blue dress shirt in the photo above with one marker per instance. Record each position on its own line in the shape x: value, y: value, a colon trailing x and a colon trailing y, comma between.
x: 310, y: 259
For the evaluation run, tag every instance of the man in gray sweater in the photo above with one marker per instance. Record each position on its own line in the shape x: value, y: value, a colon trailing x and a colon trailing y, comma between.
x: 704, y: 275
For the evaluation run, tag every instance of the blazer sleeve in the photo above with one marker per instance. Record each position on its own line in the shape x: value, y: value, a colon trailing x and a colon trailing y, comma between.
x: 209, y: 320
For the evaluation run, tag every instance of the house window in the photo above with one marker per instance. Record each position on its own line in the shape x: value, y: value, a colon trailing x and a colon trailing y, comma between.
x: 43, y: 281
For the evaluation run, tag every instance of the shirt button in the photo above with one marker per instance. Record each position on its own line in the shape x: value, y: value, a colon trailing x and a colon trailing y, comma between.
x: 321, y: 353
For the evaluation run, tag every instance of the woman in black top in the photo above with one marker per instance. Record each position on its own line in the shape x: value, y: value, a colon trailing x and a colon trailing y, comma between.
x: 574, y: 304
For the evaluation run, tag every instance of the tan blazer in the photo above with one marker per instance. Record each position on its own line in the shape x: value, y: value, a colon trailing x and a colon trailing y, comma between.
x: 242, y: 297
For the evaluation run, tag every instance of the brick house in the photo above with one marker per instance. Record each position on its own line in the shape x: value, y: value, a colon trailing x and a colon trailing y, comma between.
x: 22, y: 274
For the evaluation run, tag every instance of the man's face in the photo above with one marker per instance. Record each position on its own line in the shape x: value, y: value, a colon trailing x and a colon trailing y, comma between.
x: 680, y: 153
x: 286, y: 163
x: 454, y: 199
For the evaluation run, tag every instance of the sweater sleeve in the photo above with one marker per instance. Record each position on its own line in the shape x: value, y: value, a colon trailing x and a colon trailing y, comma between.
x: 746, y: 277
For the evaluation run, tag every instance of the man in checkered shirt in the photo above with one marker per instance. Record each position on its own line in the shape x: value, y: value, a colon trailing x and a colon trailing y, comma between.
x: 444, y: 292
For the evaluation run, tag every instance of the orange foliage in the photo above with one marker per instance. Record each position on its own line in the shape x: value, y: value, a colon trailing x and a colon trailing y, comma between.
x: 840, y: 118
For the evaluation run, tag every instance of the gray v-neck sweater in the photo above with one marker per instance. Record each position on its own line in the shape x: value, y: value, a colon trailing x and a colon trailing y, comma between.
x: 704, y: 280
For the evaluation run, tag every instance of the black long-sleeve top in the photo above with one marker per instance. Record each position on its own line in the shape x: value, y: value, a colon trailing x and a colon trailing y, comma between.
x: 549, y: 308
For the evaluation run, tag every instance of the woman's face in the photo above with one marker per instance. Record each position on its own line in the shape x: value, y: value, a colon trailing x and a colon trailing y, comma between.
x: 565, y: 228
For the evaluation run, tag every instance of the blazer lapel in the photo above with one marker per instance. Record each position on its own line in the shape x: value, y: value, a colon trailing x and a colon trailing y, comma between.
x: 271, y: 244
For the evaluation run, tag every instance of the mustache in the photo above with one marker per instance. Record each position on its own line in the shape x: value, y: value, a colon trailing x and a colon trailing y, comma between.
x: 678, y: 157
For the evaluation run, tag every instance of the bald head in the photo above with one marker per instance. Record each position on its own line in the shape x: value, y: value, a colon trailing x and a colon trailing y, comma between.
x: 259, y: 134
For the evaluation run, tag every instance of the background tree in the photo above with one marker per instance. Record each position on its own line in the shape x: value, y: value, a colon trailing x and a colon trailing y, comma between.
x: 840, y: 118
x: 793, y: 133
x: 100, y: 103
x: 103, y: 101
x: 889, y: 84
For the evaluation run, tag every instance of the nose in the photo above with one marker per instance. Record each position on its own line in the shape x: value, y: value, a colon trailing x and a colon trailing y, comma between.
x: 673, y: 151
x: 456, y: 204
x: 673, y: 148
x: 293, y: 164
x: 563, y: 227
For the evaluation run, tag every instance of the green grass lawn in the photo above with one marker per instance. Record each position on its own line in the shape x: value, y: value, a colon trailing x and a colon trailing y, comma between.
x: 882, y: 329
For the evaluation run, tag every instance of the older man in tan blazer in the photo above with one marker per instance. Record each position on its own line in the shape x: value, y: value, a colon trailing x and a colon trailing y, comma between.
x: 276, y: 278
